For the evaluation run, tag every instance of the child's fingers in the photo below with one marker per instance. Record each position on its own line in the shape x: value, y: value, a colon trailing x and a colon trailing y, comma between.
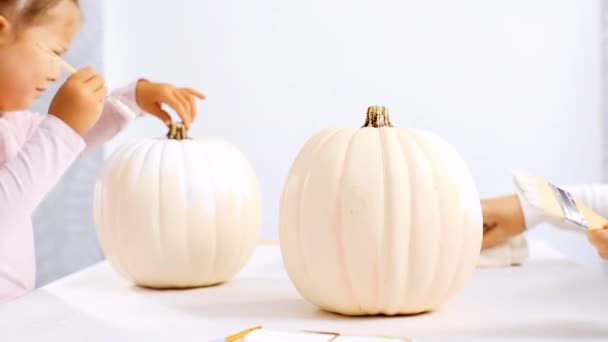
x: 191, y: 98
x: 193, y: 107
x: 195, y: 93
x: 184, y: 98
x: 101, y: 93
x: 493, y: 236
x: 598, y: 236
x: 161, y: 114
x: 179, y: 106
x: 84, y: 74
x: 488, y: 212
x: 95, y: 83
x: 599, y: 239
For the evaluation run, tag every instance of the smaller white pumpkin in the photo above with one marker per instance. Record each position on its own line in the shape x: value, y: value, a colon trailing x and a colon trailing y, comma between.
x: 177, y: 212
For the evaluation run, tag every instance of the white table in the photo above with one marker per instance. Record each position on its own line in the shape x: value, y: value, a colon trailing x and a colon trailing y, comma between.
x: 550, y: 298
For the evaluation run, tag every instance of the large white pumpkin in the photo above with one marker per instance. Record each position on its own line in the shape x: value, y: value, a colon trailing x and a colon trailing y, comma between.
x: 174, y: 213
x: 379, y: 220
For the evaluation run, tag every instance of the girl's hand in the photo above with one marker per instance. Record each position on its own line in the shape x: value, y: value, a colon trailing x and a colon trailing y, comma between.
x: 79, y: 101
x: 151, y: 96
x: 503, y: 218
x: 599, y: 239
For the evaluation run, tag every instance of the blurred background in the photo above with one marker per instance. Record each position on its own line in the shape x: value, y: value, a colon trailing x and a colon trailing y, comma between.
x: 509, y: 83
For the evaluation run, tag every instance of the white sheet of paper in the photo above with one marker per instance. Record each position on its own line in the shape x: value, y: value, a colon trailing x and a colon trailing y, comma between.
x: 265, y: 335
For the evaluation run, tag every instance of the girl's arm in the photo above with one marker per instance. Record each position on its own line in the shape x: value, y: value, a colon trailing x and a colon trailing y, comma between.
x: 41, y: 161
x: 113, y: 120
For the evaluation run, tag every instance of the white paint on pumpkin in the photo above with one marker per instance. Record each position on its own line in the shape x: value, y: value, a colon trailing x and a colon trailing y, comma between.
x: 379, y: 221
x: 175, y: 214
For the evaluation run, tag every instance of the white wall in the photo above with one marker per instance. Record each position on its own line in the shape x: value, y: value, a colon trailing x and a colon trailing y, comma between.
x: 512, y: 83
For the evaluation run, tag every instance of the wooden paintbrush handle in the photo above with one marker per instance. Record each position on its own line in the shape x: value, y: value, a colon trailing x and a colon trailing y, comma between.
x: 594, y: 220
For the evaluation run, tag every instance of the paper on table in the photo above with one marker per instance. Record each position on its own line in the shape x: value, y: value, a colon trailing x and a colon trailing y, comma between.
x: 265, y: 335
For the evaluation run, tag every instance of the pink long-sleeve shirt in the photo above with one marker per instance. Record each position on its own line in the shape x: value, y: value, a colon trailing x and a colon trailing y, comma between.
x: 35, y: 151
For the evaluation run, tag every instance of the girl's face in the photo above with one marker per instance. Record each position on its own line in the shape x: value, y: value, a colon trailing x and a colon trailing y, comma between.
x: 26, y: 68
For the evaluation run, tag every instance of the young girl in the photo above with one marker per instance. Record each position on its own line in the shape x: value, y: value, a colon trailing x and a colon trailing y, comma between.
x: 35, y: 150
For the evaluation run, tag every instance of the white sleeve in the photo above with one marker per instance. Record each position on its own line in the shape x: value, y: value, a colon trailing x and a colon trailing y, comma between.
x: 593, y: 195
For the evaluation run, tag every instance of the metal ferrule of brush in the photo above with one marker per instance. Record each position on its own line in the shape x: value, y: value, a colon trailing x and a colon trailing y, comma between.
x: 571, y: 212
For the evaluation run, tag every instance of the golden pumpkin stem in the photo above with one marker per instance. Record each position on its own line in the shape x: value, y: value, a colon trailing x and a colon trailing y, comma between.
x: 177, y: 131
x: 377, y: 116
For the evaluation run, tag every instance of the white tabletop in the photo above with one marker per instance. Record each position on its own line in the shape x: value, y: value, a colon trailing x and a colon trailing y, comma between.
x: 550, y: 298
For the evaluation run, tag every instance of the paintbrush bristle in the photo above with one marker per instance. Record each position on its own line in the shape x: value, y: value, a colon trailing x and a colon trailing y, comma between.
x: 539, y: 194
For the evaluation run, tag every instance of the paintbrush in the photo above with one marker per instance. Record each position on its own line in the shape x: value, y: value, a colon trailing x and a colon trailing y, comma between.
x: 119, y: 105
x: 557, y: 203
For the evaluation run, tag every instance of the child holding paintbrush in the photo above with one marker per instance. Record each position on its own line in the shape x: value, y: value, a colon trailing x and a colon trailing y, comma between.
x: 35, y: 150
x: 508, y: 216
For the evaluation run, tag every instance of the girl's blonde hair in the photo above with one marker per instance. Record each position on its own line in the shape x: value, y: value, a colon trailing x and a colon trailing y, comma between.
x: 27, y: 12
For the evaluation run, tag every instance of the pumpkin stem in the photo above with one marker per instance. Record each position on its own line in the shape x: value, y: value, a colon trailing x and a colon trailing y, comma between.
x: 377, y: 116
x: 177, y: 131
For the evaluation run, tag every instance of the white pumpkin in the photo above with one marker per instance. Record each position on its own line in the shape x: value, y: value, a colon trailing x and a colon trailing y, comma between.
x: 176, y: 213
x: 379, y: 220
